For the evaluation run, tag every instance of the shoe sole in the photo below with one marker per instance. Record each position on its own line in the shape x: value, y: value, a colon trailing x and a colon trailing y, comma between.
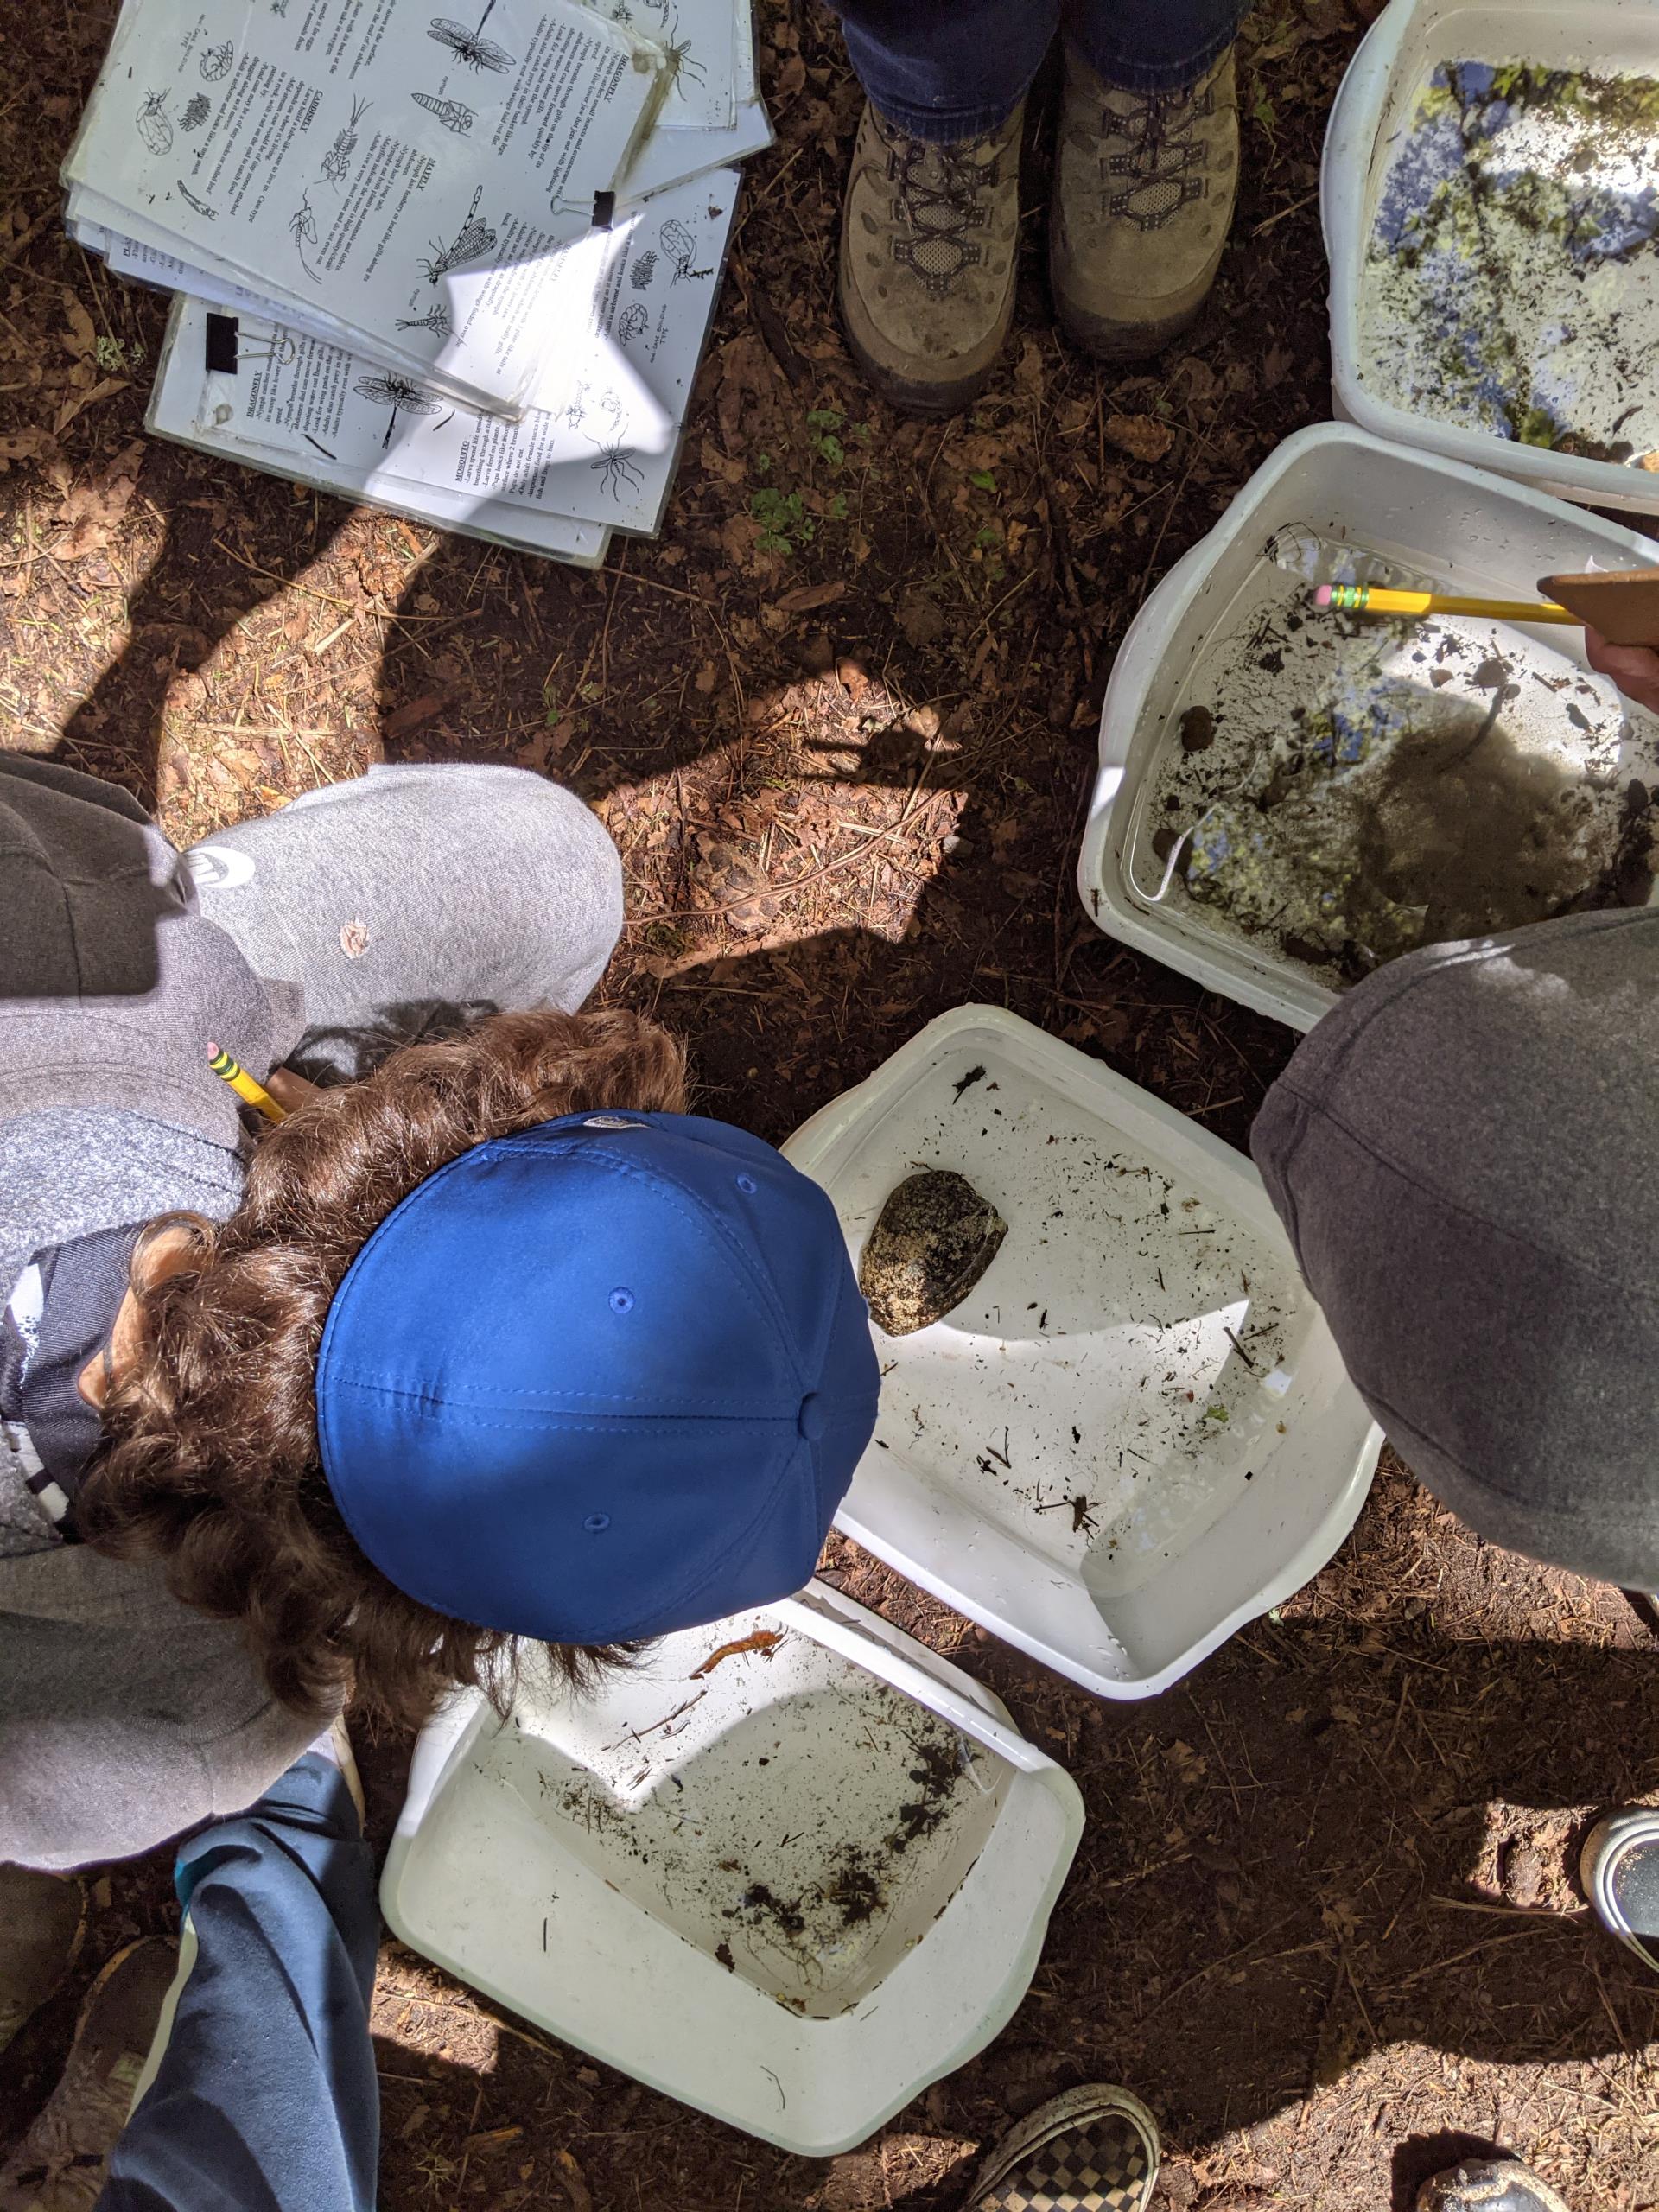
x: 1497, y: 2181
x: 1128, y: 342
x: 1072, y: 2108
x: 925, y: 396
x: 1604, y: 1846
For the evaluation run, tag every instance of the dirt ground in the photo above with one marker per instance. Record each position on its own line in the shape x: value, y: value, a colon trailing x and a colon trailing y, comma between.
x: 841, y: 721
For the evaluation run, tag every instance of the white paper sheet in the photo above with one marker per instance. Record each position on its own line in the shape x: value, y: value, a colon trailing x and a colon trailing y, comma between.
x: 601, y: 453
x: 184, y: 407
x: 403, y: 173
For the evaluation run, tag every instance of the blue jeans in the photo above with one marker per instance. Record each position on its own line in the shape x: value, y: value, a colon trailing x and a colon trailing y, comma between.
x: 945, y: 69
x: 265, y: 2099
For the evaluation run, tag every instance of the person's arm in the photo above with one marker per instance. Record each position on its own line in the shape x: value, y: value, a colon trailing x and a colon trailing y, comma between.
x: 1635, y: 669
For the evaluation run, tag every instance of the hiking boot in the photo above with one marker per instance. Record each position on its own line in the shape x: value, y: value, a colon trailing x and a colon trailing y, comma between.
x: 1143, y: 196
x: 929, y: 237
x: 58, y: 2164
x: 1093, y: 2150
x: 43, y: 1917
x: 1488, y: 2185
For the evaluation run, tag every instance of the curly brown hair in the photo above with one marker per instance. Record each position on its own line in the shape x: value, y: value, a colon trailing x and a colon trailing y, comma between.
x: 210, y: 1460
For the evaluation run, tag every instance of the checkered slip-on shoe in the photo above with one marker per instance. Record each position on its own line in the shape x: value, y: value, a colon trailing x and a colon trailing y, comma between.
x: 1093, y: 2150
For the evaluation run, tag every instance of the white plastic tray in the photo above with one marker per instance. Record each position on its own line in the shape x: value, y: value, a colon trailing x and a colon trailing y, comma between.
x: 791, y: 1891
x: 1483, y: 533
x: 1136, y: 1242
x: 1404, y: 44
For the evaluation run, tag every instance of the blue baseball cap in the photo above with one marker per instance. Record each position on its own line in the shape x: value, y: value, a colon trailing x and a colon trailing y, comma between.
x: 600, y: 1380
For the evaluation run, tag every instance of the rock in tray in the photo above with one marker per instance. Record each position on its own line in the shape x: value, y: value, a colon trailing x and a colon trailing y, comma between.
x: 932, y: 1241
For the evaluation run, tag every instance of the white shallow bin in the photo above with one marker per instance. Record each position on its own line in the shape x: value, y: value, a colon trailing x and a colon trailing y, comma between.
x: 1427, y: 517
x: 1134, y: 1433
x: 792, y: 1889
x: 1372, y: 111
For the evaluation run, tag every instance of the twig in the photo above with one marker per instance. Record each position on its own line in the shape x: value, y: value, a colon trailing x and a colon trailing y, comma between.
x: 1294, y: 208
x: 1439, y: 1965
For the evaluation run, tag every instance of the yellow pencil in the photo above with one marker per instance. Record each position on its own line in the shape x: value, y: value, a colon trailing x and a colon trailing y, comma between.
x: 243, y: 1083
x: 1369, y: 599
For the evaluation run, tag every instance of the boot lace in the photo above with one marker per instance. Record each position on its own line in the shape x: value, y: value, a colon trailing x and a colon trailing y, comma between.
x: 939, y: 196
x: 1155, y: 171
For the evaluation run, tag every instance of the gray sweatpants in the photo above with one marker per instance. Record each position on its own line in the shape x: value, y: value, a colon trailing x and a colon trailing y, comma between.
x: 413, y: 901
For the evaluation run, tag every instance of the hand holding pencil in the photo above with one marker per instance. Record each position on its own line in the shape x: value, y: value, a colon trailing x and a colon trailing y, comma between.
x: 1628, y: 597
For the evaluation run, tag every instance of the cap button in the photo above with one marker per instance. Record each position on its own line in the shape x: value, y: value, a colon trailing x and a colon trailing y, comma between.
x: 810, y: 1423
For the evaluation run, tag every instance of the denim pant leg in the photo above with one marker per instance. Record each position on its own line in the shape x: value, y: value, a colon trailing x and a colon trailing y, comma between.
x: 947, y: 69
x: 1153, y: 46
x: 264, y: 2098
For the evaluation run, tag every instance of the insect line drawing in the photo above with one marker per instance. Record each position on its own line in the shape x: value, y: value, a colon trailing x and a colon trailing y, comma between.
x: 681, y: 62
x: 571, y: 415
x: 471, y: 48
x: 643, y: 269
x: 216, y: 62
x: 453, y: 115
x: 400, y: 395
x: 200, y: 206
x: 197, y: 110
x: 473, y: 238
x: 632, y: 323
x: 682, y: 251
x: 337, y: 162
x: 303, y: 229
x: 155, y: 124
x: 615, y: 470
x: 436, y: 319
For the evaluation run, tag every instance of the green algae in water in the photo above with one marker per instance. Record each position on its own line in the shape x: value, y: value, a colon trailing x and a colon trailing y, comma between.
x: 1511, y: 283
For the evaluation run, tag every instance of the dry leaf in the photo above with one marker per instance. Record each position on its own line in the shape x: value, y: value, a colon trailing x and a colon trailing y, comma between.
x: 548, y: 744
x: 82, y: 334
x: 404, y: 719
x: 920, y: 619
x: 24, y: 445
x: 83, y: 400
x: 1142, y: 436
x: 810, y: 597
x: 92, y: 512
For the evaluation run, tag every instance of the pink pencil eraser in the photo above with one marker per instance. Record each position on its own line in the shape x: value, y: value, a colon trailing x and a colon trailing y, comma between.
x: 1322, y: 596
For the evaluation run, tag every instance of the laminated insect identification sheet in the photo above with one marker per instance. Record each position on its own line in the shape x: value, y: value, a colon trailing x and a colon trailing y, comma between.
x: 702, y: 40
x: 407, y: 174
x: 634, y: 304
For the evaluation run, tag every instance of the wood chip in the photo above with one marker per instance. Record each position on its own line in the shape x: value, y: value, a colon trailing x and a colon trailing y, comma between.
x: 574, y: 2182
